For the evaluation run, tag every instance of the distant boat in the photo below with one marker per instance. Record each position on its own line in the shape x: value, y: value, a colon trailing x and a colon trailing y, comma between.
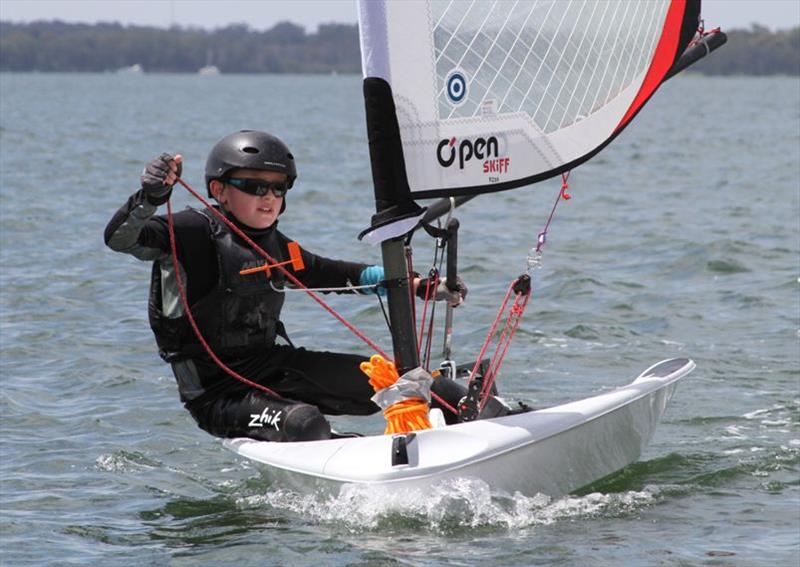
x: 208, y: 70
x: 134, y: 69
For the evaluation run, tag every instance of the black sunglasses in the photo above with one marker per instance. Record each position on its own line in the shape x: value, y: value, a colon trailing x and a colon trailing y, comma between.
x: 260, y: 187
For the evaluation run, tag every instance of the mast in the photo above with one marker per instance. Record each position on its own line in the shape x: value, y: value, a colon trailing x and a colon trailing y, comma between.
x: 394, y: 210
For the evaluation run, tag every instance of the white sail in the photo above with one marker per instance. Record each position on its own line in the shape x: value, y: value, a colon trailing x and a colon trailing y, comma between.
x: 494, y: 95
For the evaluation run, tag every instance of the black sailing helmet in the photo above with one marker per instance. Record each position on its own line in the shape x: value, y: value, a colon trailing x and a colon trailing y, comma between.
x: 249, y: 149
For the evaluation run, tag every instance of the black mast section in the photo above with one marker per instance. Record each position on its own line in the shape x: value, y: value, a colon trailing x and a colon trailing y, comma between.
x: 392, y: 202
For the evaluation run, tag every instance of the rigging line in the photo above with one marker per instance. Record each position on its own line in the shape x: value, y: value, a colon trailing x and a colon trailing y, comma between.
x: 188, y: 311
x: 449, y: 214
x: 514, y: 318
x: 411, y: 275
x: 541, y: 240
x: 429, y: 338
x: 323, y: 289
x: 410, y: 269
x: 428, y: 333
x: 283, y: 270
x: 436, y: 268
x: 512, y: 321
x: 430, y: 285
x: 385, y: 314
x: 490, y: 334
x: 517, y: 308
x: 502, y: 344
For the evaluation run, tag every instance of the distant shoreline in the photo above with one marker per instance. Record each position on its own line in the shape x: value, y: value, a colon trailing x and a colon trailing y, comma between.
x: 287, y: 48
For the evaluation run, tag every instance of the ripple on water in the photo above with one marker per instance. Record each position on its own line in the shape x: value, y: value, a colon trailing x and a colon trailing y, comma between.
x: 726, y: 267
x: 125, y: 461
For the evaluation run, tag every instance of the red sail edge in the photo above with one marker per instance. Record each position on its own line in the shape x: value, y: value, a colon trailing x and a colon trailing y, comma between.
x: 663, y: 59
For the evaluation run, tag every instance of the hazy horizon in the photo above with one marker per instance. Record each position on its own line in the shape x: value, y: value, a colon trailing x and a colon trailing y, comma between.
x: 729, y: 14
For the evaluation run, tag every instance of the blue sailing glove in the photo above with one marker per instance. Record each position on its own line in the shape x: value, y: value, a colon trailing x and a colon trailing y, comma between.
x: 372, y: 275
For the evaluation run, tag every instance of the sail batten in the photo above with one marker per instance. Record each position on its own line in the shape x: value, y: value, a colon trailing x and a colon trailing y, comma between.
x: 495, y: 95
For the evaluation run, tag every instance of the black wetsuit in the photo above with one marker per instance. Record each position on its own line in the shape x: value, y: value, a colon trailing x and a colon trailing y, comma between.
x: 307, y: 381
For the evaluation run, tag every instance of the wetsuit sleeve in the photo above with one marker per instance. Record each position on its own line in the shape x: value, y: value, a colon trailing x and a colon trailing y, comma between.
x: 326, y: 272
x: 131, y: 230
x: 134, y: 229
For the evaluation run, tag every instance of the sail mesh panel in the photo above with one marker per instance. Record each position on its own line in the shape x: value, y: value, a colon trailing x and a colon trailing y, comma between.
x: 556, y: 61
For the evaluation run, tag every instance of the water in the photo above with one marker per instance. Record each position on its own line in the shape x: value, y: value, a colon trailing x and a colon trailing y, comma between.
x: 681, y: 239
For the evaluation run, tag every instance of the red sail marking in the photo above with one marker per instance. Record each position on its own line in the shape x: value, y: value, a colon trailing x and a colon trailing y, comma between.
x: 663, y: 59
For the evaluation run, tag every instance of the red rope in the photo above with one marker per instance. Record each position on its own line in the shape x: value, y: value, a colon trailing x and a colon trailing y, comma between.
x: 286, y: 272
x: 431, y: 284
x: 512, y: 323
x: 490, y: 334
x: 187, y: 310
x: 443, y: 402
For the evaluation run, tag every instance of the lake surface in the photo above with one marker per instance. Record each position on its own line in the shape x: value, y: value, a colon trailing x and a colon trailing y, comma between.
x: 682, y: 239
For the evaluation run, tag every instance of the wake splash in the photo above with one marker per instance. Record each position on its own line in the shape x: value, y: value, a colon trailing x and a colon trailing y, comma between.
x: 451, y: 505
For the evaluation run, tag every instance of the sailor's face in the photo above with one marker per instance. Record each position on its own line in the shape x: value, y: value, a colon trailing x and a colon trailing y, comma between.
x: 253, y: 210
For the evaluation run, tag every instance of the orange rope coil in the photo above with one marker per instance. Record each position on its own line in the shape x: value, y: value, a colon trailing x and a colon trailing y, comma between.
x: 410, y: 414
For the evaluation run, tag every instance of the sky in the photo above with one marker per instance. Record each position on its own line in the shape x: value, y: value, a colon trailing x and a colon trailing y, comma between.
x: 263, y: 14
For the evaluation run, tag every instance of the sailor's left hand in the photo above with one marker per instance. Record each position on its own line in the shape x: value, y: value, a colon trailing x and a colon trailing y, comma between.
x: 159, y: 175
x: 454, y: 297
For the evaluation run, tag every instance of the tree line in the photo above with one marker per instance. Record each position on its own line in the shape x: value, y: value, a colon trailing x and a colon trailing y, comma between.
x: 288, y: 48
x: 755, y: 51
x: 285, y: 48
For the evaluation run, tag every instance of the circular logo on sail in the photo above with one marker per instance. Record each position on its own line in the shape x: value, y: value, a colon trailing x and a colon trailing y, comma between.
x: 456, y: 87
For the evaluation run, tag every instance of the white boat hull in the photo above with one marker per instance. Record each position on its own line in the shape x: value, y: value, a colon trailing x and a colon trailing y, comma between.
x: 550, y: 451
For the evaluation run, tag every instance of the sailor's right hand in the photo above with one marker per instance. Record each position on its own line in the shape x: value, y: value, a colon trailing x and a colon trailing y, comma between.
x: 454, y: 297
x: 159, y: 175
